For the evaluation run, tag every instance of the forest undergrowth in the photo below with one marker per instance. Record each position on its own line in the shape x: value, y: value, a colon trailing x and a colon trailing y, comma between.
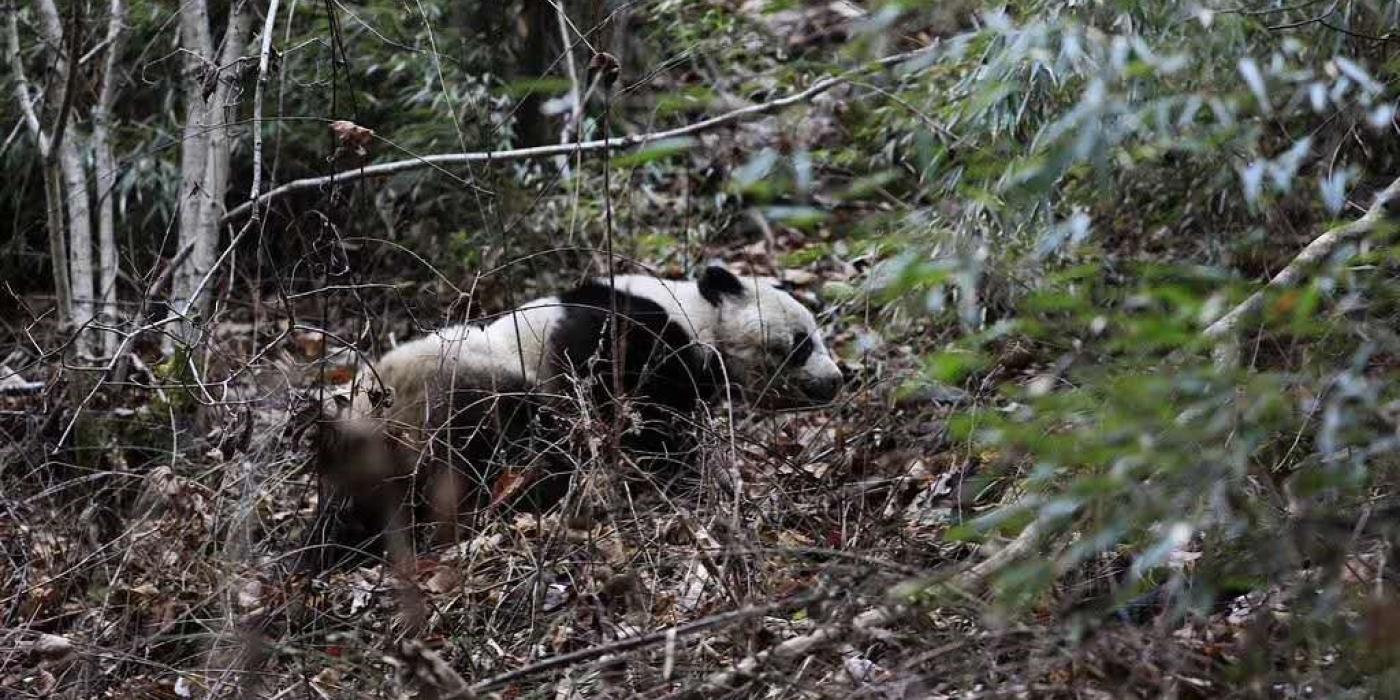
x: 1112, y: 285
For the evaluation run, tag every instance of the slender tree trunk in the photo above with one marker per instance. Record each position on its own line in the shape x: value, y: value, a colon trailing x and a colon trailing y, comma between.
x: 204, y: 162
x: 194, y: 155
x: 58, y: 243
x: 75, y: 191
x: 53, y: 185
x: 75, y: 195
x: 106, y: 168
x: 535, y: 58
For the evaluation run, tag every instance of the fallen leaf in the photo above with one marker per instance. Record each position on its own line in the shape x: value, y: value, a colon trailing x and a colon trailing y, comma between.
x: 444, y: 579
x: 511, y: 483
x: 52, y: 647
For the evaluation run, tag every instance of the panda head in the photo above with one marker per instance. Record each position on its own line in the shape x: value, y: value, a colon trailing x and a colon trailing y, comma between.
x: 769, y: 341
x: 351, y: 431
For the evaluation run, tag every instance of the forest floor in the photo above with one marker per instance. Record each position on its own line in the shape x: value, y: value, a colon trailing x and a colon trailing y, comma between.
x: 804, y: 557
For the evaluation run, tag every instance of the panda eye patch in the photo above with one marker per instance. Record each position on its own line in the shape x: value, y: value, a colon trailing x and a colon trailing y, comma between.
x: 801, y: 348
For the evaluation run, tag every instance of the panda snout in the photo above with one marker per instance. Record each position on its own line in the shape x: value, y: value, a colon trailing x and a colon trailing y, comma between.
x: 823, y: 388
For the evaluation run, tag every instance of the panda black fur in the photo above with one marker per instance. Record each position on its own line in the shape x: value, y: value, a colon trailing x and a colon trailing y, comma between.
x: 469, y: 401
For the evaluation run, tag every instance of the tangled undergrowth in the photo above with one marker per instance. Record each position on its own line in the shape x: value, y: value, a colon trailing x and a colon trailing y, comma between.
x: 1086, y: 450
x: 808, y: 555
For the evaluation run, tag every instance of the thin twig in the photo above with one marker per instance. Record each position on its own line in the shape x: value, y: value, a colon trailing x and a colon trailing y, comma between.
x: 1320, y: 248
x: 268, y: 26
x: 1310, y: 20
x: 630, y: 643
x: 550, y: 151
x: 724, y: 681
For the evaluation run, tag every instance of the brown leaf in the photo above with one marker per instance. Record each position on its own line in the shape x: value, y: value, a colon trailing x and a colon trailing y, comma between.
x: 444, y: 579
x: 340, y: 374
x: 511, y: 483
x: 310, y: 344
x: 352, y: 136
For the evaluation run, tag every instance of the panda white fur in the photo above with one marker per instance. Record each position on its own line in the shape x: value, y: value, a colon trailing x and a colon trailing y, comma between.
x: 456, y: 399
x: 748, y: 326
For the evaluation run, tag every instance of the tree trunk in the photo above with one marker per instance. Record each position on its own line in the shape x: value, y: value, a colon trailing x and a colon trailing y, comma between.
x: 194, y: 154
x: 539, y: 26
x: 53, y: 186
x: 204, y: 161
x: 58, y: 243
x: 75, y: 181
x: 75, y: 194
x: 106, y: 168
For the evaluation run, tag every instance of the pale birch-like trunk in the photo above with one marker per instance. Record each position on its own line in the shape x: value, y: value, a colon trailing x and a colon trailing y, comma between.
x: 75, y: 192
x: 106, y: 167
x: 53, y: 188
x: 194, y: 154
x: 204, y: 159
x: 75, y: 195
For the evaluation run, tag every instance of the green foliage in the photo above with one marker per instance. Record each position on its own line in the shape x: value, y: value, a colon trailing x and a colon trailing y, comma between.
x: 1142, y: 444
x: 1086, y: 188
x: 654, y: 152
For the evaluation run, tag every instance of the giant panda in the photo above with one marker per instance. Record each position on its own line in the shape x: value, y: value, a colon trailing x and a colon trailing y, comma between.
x: 436, y: 420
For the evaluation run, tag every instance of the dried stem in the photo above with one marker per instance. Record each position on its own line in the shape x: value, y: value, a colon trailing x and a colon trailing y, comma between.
x: 1227, y: 354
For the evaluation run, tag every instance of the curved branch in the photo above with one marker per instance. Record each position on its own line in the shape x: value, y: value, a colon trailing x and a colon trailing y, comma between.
x: 1320, y: 248
x: 724, y: 682
x: 401, y: 166
x: 975, y: 577
x: 609, y: 144
x: 263, y: 61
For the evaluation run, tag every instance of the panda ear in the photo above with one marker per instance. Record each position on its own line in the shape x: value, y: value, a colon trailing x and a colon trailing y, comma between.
x: 716, y: 283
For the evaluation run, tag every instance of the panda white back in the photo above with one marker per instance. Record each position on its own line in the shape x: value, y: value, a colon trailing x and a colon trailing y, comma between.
x: 681, y: 299
x: 493, y: 387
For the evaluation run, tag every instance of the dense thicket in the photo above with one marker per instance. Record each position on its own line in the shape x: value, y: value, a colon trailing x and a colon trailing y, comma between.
x: 1115, y: 281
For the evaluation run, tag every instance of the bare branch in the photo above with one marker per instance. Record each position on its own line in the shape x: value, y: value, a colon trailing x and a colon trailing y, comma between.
x: 610, y: 144
x: 724, y: 681
x: 643, y: 640
x: 976, y: 576
x: 1315, y: 252
x: 864, y: 623
x: 445, y: 159
x: 23, y: 96
x: 268, y: 26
